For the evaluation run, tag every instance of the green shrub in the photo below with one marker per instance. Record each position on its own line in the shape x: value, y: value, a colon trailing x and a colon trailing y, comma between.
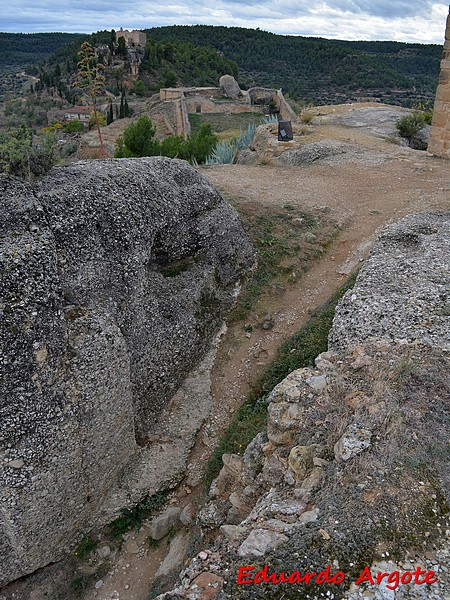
x: 132, y: 518
x: 86, y: 546
x: 74, y: 127
x: 409, y: 125
x: 139, y: 140
x: 19, y: 157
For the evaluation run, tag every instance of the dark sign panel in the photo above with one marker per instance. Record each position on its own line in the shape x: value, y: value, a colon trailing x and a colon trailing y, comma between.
x: 285, y: 131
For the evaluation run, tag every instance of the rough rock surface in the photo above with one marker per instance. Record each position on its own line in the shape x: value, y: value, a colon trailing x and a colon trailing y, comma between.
x: 419, y: 140
x: 229, y: 87
x: 362, y: 469
x: 116, y: 276
x: 327, y: 152
x: 402, y: 291
x: 380, y: 121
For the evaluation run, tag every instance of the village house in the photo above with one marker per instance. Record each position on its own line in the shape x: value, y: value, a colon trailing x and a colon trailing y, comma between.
x: 79, y: 113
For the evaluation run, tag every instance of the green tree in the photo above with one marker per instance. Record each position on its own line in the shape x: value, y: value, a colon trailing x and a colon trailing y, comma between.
x: 110, y: 115
x: 138, y: 140
x: 126, y: 109
x: 121, y: 47
x: 74, y: 127
x: 122, y: 107
x: 18, y: 157
x: 139, y: 88
x: 91, y: 80
x: 201, y: 144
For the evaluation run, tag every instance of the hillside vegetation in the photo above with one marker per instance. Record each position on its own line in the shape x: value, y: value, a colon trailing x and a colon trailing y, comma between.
x: 17, y: 50
x: 320, y: 70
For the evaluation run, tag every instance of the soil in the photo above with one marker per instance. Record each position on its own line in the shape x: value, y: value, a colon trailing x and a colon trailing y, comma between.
x: 362, y: 196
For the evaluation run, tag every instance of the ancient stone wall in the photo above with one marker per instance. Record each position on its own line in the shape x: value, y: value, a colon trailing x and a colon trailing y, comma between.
x: 439, y: 143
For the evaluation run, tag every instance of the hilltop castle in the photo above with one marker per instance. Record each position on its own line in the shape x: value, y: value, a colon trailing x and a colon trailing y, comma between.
x: 132, y: 38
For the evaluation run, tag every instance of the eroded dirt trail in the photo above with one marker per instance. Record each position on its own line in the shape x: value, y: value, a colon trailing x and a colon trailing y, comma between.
x: 363, y: 200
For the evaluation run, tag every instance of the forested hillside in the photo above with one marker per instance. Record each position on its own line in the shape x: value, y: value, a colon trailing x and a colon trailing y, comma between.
x: 17, y: 50
x: 317, y: 69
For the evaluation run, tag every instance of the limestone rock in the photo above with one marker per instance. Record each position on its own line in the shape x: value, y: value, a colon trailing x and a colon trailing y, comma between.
x: 173, y: 561
x: 301, y: 461
x: 419, y: 141
x: 229, y: 87
x: 233, y: 532
x: 187, y: 514
x: 253, y: 456
x: 214, y: 513
x: 161, y: 526
x: 284, y: 419
x: 116, y: 277
x: 401, y: 291
x: 261, y: 541
x: 353, y: 442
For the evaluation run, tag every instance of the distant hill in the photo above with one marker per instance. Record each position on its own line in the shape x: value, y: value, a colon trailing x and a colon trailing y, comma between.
x: 18, y: 50
x: 21, y: 49
x: 317, y: 69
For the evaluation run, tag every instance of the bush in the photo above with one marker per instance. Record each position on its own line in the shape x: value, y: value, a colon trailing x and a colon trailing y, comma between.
x: 138, y: 140
x: 409, y: 125
x: 18, y: 157
x: 74, y: 127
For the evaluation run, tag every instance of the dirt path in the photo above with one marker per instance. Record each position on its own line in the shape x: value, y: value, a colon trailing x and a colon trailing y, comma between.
x: 362, y: 195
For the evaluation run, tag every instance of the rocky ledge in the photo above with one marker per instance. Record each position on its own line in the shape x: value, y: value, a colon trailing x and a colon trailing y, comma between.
x: 350, y: 478
x: 116, y: 277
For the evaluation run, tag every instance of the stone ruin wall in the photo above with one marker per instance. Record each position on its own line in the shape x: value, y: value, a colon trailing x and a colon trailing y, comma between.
x: 439, y: 143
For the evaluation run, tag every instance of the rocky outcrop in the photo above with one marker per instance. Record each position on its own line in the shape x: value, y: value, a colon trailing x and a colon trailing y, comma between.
x: 402, y: 293
x: 116, y: 276
x: 351, y: 472
x: 229, y: 87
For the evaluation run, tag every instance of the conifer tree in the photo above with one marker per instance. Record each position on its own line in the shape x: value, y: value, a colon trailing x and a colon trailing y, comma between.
x: 126, y: 109
x: 110, y: 115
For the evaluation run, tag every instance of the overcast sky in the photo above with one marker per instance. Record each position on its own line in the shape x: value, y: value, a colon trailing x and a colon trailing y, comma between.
x: 401, y: 20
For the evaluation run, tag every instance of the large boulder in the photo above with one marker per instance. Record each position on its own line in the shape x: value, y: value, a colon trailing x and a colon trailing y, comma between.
x: 116, y: 277
x: 229, y: 87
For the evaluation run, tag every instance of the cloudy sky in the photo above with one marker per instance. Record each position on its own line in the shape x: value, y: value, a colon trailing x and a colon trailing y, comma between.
x: 402, y: 20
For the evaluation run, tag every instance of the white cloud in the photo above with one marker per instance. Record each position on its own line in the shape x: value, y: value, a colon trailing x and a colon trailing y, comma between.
x: 401, y: 20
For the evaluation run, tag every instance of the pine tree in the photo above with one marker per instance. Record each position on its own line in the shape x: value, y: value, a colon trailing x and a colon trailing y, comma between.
x: 122, y: 108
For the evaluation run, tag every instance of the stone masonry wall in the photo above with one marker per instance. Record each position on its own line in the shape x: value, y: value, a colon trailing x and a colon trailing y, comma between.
x: 439, y: 143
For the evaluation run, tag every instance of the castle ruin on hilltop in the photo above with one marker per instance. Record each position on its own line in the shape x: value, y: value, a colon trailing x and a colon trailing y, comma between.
x: 439, y: 143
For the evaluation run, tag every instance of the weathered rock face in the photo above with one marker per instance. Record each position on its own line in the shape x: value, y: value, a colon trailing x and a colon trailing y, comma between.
x: 402, y: 291
x: 229, y: 87
x: 116, y: 276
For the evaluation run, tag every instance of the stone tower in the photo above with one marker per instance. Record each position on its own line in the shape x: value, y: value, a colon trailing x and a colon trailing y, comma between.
x: 439, y: 143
